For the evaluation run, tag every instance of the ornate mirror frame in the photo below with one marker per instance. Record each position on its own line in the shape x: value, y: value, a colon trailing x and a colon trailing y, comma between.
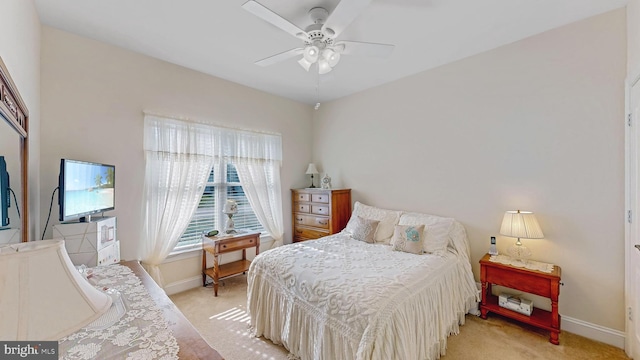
x: 14, y: 111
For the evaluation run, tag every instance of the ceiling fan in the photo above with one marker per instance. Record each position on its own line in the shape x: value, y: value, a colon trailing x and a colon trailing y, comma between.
x: 320, y: 44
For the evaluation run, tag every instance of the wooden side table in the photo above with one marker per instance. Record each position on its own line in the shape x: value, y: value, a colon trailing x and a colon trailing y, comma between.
x: 526, y: 280
x: 221, y: 244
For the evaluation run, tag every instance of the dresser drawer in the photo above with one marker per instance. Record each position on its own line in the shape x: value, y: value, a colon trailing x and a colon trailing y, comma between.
x: 303, y: 197
x: 300, y: 232
x: 319, y: 209
x: 316, y: 221
x: 320, y: 198
x: 303, y: 208
x: 232, y: 245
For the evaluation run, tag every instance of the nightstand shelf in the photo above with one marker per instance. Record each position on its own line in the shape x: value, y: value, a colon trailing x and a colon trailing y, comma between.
x: 539, y: 318
x: 525, y: 280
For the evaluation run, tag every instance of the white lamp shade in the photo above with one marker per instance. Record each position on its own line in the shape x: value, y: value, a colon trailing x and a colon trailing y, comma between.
x: 230, y: 207
x: 521, y: 224
x: 312, y: 169
x: 42, y: 295
x: 323, y: 66
x: 331, y: 56
x: 311, y: 53
x: 304, y: 63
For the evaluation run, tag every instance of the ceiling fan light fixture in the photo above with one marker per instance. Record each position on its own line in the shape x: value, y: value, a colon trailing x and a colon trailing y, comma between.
x: 311, y: 53
x: 323, y: 66
x: 331, y: 57
x: 304, y: 63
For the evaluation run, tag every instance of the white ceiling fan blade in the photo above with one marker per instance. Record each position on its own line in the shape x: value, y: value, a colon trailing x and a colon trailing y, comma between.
x: 269, y: 16
x: 366, y: 49
x: 343, y: 15
x: 280, y: 57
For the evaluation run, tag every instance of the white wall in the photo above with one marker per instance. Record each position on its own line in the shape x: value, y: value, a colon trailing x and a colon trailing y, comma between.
x: 535, y: 125
x: 93, y: 96
x: 633, y: 38
x: 20, y: 51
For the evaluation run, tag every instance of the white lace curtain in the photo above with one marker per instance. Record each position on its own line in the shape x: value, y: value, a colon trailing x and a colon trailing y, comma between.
x: 179, y: 156
x: 178, y: 159
x: 258, y: 157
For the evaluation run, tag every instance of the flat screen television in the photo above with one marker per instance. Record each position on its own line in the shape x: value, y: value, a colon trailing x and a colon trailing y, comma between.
x: 85, y: 188
x: 5, y: 191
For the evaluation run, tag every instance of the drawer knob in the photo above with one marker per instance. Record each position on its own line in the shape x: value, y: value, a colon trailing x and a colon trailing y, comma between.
x: 224, y: 246
x: 323, y: 222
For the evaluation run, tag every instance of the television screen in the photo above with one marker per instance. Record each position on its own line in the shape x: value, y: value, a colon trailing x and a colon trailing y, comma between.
x: 5, y: 201
x: 85, y: 188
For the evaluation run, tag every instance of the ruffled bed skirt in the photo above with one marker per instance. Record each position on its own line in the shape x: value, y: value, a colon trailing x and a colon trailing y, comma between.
x: 414, y: 325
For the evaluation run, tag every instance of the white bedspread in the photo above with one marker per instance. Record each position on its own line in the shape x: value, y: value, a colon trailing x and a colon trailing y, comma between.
x: 338, y: 298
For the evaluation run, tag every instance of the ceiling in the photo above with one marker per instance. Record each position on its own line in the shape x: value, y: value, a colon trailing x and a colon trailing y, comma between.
x: 220, y: 38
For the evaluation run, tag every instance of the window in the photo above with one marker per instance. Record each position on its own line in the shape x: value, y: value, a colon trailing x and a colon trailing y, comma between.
x: 223, y: 184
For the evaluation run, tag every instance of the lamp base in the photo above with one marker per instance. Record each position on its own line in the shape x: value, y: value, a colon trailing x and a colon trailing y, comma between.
x: 520, y: 253
x: 229, y: 229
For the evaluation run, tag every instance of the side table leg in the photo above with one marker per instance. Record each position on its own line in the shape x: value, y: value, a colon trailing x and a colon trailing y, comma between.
x: 216, y: 272
x: 483, y: 310
x: 555, y: 316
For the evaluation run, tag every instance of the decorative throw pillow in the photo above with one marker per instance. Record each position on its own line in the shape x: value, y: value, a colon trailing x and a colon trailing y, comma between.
x: 387, y: 218
x: 408, y: 238
x: 437, y: 229
x: 365, y: 229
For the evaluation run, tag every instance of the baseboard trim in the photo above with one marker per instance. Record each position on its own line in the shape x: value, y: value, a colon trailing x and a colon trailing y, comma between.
x: 593, y: 331
x: 183, y: 285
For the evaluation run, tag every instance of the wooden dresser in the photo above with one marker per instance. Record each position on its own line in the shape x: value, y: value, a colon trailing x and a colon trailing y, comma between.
x: 319, y: 212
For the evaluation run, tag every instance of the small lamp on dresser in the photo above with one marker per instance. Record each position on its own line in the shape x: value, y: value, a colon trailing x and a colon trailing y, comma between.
x: 311, y: 169
x: 520, y: 225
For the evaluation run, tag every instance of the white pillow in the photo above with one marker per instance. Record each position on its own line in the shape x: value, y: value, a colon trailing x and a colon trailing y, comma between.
x: 388, y: 220
x: 436, y: 230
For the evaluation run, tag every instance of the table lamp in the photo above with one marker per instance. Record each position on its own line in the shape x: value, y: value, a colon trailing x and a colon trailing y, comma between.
x: 520, y: 225
x: 310, y: 171
x: 42, y: 294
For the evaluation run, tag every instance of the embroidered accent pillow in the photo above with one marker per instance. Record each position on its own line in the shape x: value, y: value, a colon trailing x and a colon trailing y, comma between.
x: 436, y: 232
x: 387, y: 218
x: 365, y: 229
x: 408, y: 238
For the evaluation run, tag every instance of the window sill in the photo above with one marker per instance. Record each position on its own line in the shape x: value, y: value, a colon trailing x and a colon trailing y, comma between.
x: 194, y: 250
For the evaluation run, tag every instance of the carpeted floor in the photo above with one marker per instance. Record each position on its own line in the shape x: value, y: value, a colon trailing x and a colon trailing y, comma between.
x: 223, y: 322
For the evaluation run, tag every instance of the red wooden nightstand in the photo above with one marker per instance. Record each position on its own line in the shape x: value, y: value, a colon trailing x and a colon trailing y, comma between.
x: 526, y: 280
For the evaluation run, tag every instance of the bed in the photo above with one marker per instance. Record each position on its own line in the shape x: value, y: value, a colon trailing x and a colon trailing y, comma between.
x: 340, y: 297
x: 153, y: 327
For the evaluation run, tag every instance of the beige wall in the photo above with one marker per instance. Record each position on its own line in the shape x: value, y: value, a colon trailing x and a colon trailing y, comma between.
x: 93, y: 95
x: 534, y: 125
x: 20, y: 51
x: 633, y: 38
